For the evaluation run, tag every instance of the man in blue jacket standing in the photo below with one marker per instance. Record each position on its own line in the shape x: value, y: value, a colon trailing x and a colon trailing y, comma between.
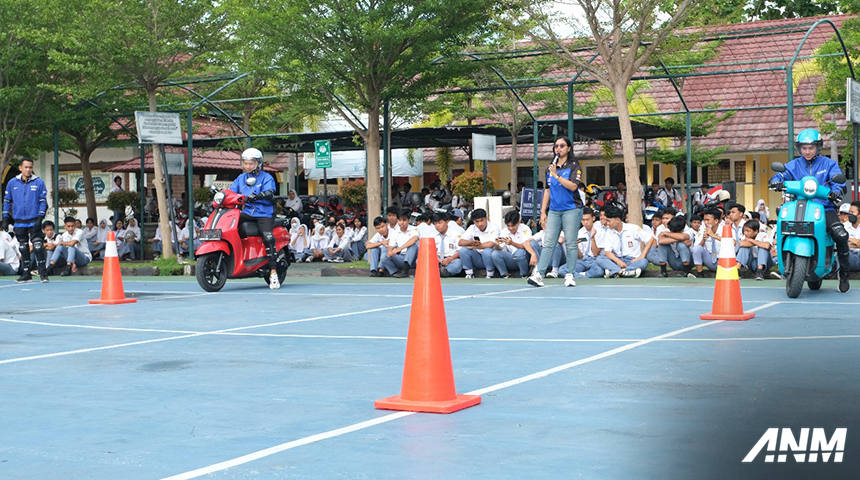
x: 24, y: 206
x: 810, y: 163
x: 259, y: 190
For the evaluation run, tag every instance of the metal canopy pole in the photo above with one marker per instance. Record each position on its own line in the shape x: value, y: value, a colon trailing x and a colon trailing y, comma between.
x: 57, y: 175
x: 189, y: 190
x: 689, y: 175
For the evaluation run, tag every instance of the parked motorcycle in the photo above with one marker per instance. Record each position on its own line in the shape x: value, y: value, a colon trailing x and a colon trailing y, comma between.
x: 234, y: 249
x: 805, y: 250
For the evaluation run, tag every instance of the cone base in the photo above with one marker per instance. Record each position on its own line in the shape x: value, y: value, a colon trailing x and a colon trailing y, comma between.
x: 113, y: 302
x: 727, y: 316
x: 447, y: 406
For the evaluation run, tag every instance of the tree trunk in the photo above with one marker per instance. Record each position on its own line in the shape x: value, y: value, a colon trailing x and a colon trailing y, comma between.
x: 513, y: 188
x: 89, y: 193
x: 247, y: 111
x: 161, y: 195
x: 373, y: 141
x: 631, y: 164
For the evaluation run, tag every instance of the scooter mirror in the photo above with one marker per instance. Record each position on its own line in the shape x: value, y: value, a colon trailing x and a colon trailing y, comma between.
x: 251, y: 181
x: 213, y: 189
x: 838, y: 178
x: 777, y: 167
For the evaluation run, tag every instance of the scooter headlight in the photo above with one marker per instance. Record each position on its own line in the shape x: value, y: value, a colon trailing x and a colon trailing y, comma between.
x: 809, y: 187
x: 219, y: 197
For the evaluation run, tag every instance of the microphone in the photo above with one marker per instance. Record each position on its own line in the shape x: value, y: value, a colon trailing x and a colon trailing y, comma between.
x: 555, y: 159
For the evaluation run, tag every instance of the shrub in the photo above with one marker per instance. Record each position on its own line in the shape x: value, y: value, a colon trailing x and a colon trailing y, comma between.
x: 354, y: 193
x: 124, y: 201
x: 471, y: 184
x: 66, y: 198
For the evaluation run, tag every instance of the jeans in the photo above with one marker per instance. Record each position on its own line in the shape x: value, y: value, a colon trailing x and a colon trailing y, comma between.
x: 676, y: 261
x: 130, y: 248
x: 504, y: 261
x: 357, y: 249
x: 587, y: 267
x: 6, y: 269
x: 473, y: 259
x: 608, y: 264
x: 701, y: 256
x: 558, y: 255
x: 854, y: 260
x: 399, y: 261
x: 66, y: 255
x: 753, y: 259
x: 567, y: 221
x: 374, y: 257
x: 346, y: 255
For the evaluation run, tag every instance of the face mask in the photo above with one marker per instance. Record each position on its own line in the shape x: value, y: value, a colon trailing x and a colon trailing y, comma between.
x: 852, y: 219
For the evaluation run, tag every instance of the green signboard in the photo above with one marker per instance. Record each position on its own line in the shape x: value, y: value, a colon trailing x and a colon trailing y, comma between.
x: 322, y: 153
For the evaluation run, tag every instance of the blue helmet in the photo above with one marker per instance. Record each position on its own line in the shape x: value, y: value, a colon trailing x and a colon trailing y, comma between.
x: 809, y: 137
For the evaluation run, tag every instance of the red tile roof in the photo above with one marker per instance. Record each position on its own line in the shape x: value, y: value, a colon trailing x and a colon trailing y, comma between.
x: 205, y: 161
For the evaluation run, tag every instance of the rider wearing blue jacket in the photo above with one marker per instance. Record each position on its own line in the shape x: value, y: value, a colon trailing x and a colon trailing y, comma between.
x: 810, y: 163
x: 24, y: 204
x: 259, y: 190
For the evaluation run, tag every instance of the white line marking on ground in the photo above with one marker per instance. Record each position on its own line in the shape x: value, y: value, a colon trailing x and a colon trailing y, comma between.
x: 96, y: 327
x: 362, y: 425
x: 67, y: 307
x: 755, y: 339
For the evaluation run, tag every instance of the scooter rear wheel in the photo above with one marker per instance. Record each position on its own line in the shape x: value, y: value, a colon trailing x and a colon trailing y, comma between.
x: 283, y: 265
x: 797, y: 274
x: 209, y: 276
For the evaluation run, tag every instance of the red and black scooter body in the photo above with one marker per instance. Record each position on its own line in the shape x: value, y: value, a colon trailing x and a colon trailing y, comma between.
x: 235, y: 250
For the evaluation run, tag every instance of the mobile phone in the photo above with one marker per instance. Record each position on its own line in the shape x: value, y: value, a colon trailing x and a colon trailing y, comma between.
x: 477, y: 238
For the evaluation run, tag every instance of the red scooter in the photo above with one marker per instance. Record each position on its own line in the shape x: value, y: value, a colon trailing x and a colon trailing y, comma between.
x: 233, y: 249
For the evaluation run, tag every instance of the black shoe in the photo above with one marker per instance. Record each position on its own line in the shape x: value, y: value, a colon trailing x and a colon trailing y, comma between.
x: 507, y: 275
x: 374, y: 273
x: 25, y: 278
x: 44, y: 278
x: 843, y: 281
x: 759, y: 275
x: 66, y: 271
x: 50, y: 269
x: 444, y: 273
x: 664, y: 274
x: 402, y: 273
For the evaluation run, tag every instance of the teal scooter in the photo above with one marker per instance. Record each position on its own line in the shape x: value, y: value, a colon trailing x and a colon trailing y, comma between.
x: 805, y: 251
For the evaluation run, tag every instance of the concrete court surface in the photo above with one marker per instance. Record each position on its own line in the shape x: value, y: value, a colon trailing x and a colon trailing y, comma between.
x: 612, y: 379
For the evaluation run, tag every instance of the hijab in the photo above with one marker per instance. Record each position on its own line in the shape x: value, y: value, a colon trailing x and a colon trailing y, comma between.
x: 101, y: 236
x: 319, y: 233
x: 301, y: 243
x: 295, y: 204
x: 762, y: 204
x: 134, y: 229
x: 294, y: 226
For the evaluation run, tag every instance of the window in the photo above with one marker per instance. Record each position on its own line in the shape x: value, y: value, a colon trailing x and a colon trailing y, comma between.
x: 616, y: 174
x: 525, y: 175
x: 720, y: 172
x: 595, y: 174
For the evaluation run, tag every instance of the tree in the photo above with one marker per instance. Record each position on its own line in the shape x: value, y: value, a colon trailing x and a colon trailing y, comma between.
x: 144, y: 43
x: 625, y: 35
x: 24, y: 61
x: 367, y: 53
x: 779, y: 9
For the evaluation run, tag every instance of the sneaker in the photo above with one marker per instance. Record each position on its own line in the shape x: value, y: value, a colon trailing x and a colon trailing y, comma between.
x: 337, y: 260
x: 274, y: 283
x: 552, y: 274
x: 66, y: 271
x: 402, y: 273
x: 490, y: 275
x: 49, y: 270
x: 309, y: 259
x: 536, y: 280
x: 507, y: 275
x: 691, y: 275
x: 44, y: 278
x: 568, y: 280
x: 776, y: 275
x: 444, y: 273
x: 469, y: 275
x: 664, y: 274
x: 759, y: 275
x: 843, y: 281
x: 374, y: 273
x: 325, y: 259
x: 631, y: 273
x: 25, y: 278
x: 607, y: 273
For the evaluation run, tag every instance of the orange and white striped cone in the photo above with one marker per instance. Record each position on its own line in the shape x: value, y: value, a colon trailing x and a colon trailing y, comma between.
x: 727, y: 292
x: 112, y: 291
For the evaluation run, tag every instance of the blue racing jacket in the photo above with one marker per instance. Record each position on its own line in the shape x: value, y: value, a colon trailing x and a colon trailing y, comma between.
x: 265, y: 182
x: 820, y: 167
x: 25, y: 201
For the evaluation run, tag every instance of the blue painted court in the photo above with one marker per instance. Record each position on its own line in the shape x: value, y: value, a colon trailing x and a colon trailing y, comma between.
x: 613, y: 379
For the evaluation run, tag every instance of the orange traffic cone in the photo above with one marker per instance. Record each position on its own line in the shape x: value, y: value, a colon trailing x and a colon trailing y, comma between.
x: 727, y: 293
x: 112, y: 291
x: 428, y: 376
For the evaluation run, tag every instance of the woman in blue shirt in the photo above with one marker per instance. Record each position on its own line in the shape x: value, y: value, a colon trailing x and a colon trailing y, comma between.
x: 561, y: 209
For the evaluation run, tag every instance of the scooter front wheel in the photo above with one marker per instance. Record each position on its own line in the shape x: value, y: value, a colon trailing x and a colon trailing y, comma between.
x: 211, y: 271
x: 796, y: 275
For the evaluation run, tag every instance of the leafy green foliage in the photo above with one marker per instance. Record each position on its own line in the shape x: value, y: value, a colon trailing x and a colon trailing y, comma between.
x: 354, y: 193
x: 471, y: 184
x: 124, y: 201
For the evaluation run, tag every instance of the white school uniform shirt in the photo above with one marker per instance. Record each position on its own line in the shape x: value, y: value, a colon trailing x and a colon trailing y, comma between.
x: 448, y: 244
x: 626, y: 242
x: 490, y: 234
x: 584, y: 239
x: 426, y: 231
x: 432, y: 202
x: 852, y: 233
x: 9, y: 250
x: 80, y: 237
x: 91, y: 233
x: 397, y: 237
x: 359, y: 235
x: 341, y: 242
x: 378, y: 238
x: 523, y: 235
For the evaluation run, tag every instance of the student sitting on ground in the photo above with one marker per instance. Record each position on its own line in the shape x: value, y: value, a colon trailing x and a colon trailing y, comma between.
x: 9, y: 260
x: 588, y: 239
x: 754, y: 250
x: 377, y: 245
x: 673, y: 243
x: 476, y: 245
x: 735, y: 217
x: 707, y: 244
x: 338, y: 248
x: 402, y: 247
x: 129, y: 249
x: 319, y: 242
x: 624, y: 254
x: 447, y: 245
x: 72, y: 251
x: 300, y: 242
x: 852, y: 226
x: 513, y: 249
x: 358, y: 238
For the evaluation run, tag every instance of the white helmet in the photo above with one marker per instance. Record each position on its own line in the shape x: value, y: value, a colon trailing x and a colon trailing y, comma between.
x: 255, y: 155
